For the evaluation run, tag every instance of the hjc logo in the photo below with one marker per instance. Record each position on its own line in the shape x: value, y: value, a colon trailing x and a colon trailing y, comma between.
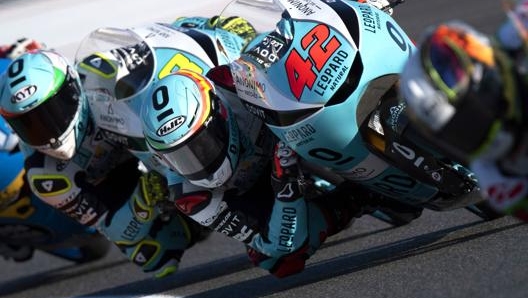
x: 170, y: 125
x: 24, y: 93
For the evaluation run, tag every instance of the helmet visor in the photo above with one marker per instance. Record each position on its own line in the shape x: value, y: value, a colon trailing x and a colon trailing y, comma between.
x: 445, y: 66
x: 202, y: 154
x: 45, y: 124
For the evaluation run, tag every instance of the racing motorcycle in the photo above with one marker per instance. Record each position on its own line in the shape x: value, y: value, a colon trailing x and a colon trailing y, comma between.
x: 28, y: 224
x: 323, y: 75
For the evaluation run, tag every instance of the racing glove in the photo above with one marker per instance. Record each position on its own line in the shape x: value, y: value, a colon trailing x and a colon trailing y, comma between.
x: 155, y: 243
x: 322, y: 217
x: 161, y: 249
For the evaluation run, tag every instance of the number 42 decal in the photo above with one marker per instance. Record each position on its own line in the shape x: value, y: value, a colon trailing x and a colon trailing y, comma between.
x: 321, y: 46
x: 300, y: 71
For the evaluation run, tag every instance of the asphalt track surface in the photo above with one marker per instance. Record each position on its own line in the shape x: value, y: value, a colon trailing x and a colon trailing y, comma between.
x: 441, y: 254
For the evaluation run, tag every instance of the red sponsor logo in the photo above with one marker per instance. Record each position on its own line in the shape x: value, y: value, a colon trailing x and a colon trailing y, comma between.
x: 303, y: 71
x: 503, y: 193
x: 193, y: 203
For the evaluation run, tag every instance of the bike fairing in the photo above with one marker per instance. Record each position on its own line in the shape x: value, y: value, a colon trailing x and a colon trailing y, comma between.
x: 333, y: 56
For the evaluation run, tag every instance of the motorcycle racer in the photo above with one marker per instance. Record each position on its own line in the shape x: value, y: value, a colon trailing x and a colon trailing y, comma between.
x: 118, y: 75
x: 27, y: 223
x: 459, y: 74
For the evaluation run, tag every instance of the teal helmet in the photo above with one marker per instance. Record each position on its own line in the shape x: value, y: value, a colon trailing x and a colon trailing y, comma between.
x: 188, y: 126
x: 42, y: 100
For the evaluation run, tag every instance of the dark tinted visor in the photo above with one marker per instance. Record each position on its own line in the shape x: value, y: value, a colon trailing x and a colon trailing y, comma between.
x: 52, y: 118
x: 203, y: 153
